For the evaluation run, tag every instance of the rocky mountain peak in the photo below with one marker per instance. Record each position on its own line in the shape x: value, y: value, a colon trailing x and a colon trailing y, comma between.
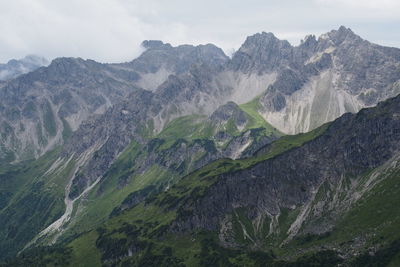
x: 66, y: 61
x: 309, y: 41
x: 163, y: 59
x: 65, y: 67
x: 212, y: 50
x: 344, y: 31
x: 340, y: 35
x: 262, y: 52
x: 263, y: 41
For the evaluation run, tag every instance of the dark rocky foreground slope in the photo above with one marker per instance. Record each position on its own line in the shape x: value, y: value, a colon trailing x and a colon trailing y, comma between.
x: 350, y: 147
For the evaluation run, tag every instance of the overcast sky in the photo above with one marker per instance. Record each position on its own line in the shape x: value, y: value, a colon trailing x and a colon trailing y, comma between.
x: 112, y: 30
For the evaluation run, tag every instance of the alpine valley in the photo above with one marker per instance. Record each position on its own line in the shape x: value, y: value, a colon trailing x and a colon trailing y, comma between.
x: 280, y: 155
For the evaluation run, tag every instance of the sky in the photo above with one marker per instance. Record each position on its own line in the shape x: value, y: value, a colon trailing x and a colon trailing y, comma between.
x: 112, y: 30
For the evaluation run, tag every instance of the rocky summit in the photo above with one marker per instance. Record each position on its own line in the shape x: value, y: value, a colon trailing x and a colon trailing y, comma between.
x: 281, y: 155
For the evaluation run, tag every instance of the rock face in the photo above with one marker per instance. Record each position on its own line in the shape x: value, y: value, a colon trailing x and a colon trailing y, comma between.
x: 41, y: 108
x: 319, y: 80
x: 15, y: 68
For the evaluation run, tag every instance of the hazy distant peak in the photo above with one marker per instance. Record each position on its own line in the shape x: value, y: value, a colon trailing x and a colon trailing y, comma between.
x: 34, y: 59
x: 154, y: 44
x: 15, y: 67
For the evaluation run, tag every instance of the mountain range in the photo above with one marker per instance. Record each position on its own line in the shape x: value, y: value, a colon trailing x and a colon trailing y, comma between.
x: 278, y: 156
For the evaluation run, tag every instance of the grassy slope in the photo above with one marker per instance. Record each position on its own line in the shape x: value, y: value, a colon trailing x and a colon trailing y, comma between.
x: 256, y: 120
x: 30, y: 200
x: 189, y: 127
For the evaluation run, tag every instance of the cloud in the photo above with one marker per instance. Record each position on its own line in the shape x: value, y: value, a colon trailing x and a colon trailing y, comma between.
x: 106, y: 30
x: 112, y: 30
x: 368, y: 9
x: 386, y: 5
